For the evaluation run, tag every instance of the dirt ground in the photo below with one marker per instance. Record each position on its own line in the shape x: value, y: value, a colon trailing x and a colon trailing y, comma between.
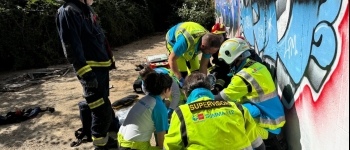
x: 56, y: 130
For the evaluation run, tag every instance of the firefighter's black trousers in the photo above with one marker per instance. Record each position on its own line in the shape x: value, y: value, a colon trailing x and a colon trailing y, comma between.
x: 103, y: 117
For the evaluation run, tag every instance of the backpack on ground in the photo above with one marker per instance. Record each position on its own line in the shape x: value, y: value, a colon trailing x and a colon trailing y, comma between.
x: 124, y: 102
x: 137, y: 86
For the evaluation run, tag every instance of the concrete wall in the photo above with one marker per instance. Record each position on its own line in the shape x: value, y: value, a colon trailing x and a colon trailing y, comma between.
x: 306, y: 44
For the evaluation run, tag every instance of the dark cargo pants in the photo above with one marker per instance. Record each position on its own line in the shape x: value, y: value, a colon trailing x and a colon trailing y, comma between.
x: 103, y: 117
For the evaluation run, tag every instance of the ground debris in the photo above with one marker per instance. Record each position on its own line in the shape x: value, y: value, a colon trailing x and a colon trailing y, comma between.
x: 32, y: 78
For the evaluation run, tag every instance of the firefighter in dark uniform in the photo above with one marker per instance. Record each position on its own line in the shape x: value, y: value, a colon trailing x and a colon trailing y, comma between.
x: 86, y: 48
x: 220, y: 68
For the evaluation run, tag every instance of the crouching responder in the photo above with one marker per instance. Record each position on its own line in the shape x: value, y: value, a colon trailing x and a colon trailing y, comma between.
x: 203, y: 123
x: 184, y: 42
x: 220, y: 67
x: 252, y: 85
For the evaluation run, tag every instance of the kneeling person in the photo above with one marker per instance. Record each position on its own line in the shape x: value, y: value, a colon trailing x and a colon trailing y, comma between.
x: 149, y: 114
x: 176, y: 97
x: 203, y: 123
x: 252, y: 86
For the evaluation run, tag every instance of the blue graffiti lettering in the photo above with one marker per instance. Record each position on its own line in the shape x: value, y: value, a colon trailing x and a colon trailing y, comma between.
x: 302, y: 43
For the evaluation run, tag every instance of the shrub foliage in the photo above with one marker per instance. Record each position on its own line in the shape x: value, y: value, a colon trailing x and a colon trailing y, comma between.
x: 200, y: 11
x: 29, y: 37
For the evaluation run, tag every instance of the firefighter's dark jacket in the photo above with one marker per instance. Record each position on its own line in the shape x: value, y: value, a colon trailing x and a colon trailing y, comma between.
x: 222, y: 69
x: 82, y: 39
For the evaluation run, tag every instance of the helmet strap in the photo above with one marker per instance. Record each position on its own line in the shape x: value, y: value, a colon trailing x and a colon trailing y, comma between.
x: 234, y: 70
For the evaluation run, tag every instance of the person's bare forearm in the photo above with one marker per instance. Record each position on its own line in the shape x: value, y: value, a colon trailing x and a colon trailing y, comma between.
x: 203, y: 68
x: 175, y: 69
x: 173, y: 65
x: 160, y: 138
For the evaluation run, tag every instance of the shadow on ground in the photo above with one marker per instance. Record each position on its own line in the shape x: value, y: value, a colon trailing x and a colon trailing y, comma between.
x: 45, y: 129
x: 56, y: 130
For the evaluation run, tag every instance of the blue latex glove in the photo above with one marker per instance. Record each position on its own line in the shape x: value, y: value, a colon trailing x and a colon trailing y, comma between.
x: 253, y: 110
x: 170, y: 112
x: 181, y: 82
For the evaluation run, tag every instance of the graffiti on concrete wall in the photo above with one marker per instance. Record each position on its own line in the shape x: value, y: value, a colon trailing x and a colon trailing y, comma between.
x: 301, y: 47
x: 305, y: 44
x: 226, y: 13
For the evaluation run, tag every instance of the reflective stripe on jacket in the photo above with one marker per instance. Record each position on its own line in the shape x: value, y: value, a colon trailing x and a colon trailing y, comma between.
x: 135, y: 145
x: 82, y: 38
x: 208, y: 124
x: 262, y: 94
x: 192, y: 32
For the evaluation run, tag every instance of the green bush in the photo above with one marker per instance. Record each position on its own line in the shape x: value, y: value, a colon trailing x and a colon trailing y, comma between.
x: 200, y: 11
x: 163, y: 13
x: 123, y: 21
x: 29, y: 37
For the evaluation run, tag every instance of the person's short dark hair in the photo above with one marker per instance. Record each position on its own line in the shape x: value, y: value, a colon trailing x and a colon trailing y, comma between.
x: 213, y: 40
x: 196, y: 80
x: 156, y: 83
x: 145, y: 71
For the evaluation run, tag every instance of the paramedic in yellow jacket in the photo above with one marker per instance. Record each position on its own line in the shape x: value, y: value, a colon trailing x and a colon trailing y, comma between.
x: 205, y: 124
x: 184, y: 42
x: 252, y: 85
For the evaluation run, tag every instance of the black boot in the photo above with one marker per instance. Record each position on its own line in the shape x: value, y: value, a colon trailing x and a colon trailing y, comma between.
x: 112, y: 143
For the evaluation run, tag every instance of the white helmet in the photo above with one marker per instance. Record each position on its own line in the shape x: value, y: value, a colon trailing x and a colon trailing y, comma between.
x: 232, y: 48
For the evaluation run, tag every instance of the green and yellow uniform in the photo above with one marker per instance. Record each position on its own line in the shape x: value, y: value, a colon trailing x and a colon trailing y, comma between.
x: 205, y: 124
x: 184, y: 40
x: 254, y: 87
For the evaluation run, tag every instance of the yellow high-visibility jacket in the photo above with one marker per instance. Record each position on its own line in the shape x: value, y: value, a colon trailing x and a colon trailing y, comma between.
x: 192, y: 32
x: 211, y: 125
x: 254, y: 84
